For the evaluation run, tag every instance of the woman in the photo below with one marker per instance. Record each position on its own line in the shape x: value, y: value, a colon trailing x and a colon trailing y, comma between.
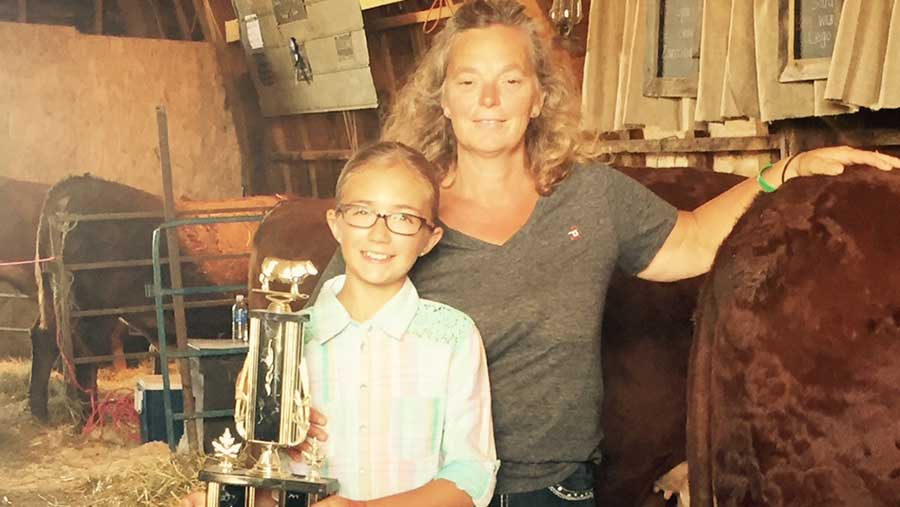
x: 532, y: 235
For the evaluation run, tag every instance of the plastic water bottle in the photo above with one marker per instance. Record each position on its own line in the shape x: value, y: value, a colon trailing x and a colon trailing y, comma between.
x: 240, y: 314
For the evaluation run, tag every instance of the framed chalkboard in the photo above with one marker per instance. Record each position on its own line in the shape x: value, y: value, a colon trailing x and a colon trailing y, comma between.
x: 807, y: 31
x: 673, y: 48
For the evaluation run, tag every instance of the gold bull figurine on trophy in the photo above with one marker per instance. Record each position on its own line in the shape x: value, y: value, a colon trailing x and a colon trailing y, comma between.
x: 272, y: 405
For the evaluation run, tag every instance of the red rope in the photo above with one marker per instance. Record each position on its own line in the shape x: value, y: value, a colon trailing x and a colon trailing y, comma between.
x: 118, y: 411
x: 22, y: 263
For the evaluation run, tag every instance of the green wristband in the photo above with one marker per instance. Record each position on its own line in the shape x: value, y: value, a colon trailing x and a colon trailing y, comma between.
x: 763, y: 183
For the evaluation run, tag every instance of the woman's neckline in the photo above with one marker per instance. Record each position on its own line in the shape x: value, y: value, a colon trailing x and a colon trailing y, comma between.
x: 459, y: 237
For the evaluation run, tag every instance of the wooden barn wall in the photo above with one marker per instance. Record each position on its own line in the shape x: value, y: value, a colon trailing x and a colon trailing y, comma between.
x: 72, y: 103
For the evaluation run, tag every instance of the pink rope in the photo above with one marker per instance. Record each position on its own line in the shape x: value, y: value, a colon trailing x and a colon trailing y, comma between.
x: 22, y: 263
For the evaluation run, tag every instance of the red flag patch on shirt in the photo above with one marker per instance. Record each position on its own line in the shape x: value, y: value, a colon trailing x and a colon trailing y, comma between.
x: 574, y: 234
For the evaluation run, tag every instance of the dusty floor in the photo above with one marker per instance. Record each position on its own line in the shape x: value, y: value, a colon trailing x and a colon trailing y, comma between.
x: 49, y: 464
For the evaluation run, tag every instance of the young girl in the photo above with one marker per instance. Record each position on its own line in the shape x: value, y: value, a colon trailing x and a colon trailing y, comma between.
x: 402, y: 380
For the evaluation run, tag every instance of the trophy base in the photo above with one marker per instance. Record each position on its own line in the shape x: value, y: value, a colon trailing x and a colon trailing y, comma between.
x: 237, y: 488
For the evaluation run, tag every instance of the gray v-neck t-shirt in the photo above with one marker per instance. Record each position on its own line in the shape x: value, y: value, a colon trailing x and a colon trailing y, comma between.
x: 538, y: 302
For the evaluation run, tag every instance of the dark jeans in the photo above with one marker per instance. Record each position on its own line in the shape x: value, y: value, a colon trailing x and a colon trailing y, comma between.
x: 576, y: 490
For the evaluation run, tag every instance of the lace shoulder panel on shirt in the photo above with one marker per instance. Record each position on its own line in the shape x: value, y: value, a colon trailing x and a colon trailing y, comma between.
x: 441, y: 323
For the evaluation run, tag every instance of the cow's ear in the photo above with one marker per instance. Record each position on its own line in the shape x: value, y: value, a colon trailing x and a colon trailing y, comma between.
x: 331, y: 218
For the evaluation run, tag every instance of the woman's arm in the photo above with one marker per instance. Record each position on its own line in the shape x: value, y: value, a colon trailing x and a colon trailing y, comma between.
x: 691, y: 247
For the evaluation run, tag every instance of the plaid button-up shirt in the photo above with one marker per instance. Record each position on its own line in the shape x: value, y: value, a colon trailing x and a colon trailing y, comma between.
x: 406, y: 395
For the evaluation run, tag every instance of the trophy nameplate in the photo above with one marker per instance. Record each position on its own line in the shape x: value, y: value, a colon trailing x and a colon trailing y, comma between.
x: 272, y: 408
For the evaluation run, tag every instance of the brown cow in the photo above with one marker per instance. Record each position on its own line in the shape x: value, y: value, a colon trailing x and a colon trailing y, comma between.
x: 795, y: 374
x: 647, y: 333
x: 294, y: 229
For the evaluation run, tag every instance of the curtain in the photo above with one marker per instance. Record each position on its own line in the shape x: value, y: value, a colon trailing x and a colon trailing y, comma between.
x: 739, y: 66
x: 663, y: 113
x: 865, y: 66
x: 606, y: 27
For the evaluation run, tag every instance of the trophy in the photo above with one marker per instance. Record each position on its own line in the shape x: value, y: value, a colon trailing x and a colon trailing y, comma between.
x: 271, y: 410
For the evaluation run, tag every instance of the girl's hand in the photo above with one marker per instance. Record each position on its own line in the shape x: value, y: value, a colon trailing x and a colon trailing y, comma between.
x: 317, y: 421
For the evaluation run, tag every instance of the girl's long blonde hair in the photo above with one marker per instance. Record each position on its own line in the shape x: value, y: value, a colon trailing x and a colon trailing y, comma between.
x: 553, y: 140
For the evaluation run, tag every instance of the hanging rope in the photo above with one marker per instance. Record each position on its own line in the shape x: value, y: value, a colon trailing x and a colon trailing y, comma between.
x: 436, y: 7
x: 22, y: 263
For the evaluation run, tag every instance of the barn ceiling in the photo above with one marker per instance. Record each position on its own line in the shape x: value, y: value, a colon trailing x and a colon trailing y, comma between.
x: 161, y: 19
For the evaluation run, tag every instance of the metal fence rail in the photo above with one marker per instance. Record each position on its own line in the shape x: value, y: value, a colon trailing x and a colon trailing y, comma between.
x: 159, y: 293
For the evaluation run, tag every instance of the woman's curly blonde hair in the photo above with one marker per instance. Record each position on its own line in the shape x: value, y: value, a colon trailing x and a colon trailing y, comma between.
x: 553, y: 141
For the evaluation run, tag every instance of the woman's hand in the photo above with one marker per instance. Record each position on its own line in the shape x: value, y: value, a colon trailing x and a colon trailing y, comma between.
x: 317, y: 421
x: 338, y: 501
x: 833, y: 160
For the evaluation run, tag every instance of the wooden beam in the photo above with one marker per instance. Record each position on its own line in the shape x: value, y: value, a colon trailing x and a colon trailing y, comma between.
x: 311, y: 155
x: 22, y: 14
x: 279, y: 142
x: 172, y: 245
x: 134, y: 14
x: 182, y: 20
x: 388, y: 64
x: 240, y: 105
x: 870, y: 138
x: 698, y: 145
x: 98, y: 17
x: 154, y: 5
x: 411, y: 18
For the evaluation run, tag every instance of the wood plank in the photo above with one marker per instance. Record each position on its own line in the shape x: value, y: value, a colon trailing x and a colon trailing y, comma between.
x: 182, y: 20
x: 98, y: 17
x: 134, y: 14
x: 161, y: 30
x: 700, y: 145
x: 388, y: 65
x: 411, y: 18
x: 311, y: 155
x: 870, y: 138
x: 175, y: 275
x: 311, y: 165
x: 279, y: 143
x: 419, y: 45
x: 22, y: 14
x: 243, y: 107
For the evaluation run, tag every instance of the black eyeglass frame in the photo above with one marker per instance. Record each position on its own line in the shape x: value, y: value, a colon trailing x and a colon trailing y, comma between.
x: 423, y: 222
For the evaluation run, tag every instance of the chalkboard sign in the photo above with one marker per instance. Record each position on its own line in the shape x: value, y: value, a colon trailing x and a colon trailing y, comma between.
x: 808, y: 29
x: 815, y: 28
x: 679, y: 36
x: 673, y: 48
